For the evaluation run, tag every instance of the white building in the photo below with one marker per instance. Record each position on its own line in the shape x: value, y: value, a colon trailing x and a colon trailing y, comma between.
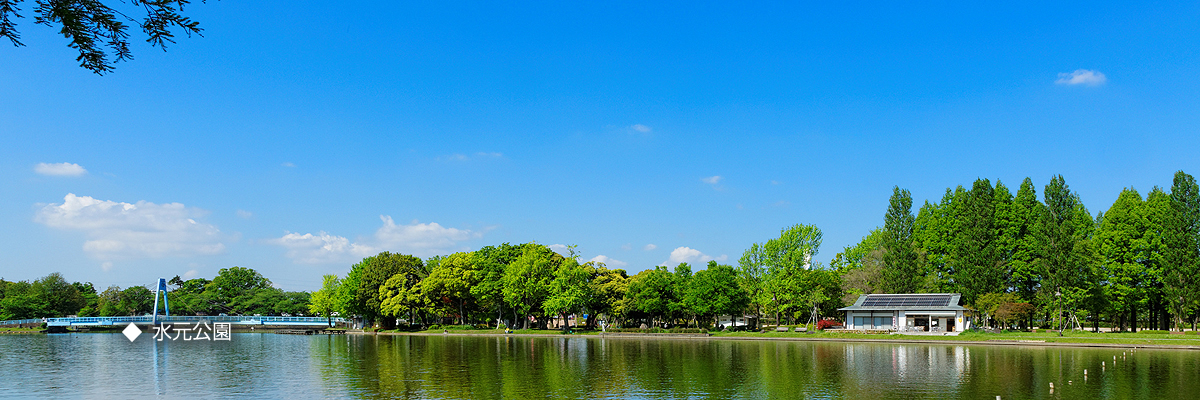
x: 932, y: 312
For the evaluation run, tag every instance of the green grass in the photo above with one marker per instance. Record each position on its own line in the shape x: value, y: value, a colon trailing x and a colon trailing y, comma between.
x: 971, y: 336
x: 1049, y: 337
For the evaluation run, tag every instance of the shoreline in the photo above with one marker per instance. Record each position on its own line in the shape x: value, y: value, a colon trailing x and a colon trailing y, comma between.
x: 802, y: 339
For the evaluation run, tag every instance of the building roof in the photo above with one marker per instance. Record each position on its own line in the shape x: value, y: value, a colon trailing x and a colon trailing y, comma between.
x: 913, y: 301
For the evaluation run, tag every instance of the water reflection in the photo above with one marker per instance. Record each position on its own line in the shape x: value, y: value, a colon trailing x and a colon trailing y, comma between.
x: 415, y: 367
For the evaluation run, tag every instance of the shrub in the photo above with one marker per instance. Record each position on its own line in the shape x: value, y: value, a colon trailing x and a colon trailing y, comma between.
x: 1153, y: 332
x: 435, y: 326
x: 827, y: 323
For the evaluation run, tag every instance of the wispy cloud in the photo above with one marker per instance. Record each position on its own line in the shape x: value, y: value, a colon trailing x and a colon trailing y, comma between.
x: 712, y: 180
x: 608, y: 261
x: 134, y: 230
x: 59, y: 169
x: 649, y: 247
x: 1084, y: 77
x: 243, y: 214
x: 288, y: 164
x: 691, y: 256
x: 641, y: 128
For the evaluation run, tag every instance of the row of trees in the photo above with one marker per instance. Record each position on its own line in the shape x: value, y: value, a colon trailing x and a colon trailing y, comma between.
x: 234, y: 290
x: 1136, y: 263
x: 525, y: 285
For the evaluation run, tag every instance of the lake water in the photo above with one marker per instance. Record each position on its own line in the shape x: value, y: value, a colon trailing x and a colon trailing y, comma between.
x: 99, y: 365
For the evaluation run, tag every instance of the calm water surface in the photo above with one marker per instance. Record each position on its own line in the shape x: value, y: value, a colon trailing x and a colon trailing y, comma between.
x: 285, y: 366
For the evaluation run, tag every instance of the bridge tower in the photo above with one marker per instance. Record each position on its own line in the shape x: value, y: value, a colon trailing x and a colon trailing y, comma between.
x: 161, y: 293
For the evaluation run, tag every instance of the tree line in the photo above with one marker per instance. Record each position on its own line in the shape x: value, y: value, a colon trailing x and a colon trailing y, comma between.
x: 526, y: 285
x: 1018, y: 260
x: 235, y: 290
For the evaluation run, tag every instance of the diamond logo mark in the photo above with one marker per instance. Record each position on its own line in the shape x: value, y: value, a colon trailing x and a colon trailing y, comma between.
x: 132, y: 332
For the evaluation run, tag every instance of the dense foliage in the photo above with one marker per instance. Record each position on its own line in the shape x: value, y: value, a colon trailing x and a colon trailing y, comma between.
x: 233, y: 291
x: 1019, y: 261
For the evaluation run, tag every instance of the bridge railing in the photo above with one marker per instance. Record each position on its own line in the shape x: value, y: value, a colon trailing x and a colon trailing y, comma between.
x: 145, y: 319
x: 22, y: 321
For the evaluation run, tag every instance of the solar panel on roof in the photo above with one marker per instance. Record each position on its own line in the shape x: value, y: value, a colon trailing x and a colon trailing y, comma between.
x: 907, y: 301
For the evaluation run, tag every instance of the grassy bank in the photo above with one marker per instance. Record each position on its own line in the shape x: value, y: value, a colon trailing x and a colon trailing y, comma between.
x: 1084, y: 338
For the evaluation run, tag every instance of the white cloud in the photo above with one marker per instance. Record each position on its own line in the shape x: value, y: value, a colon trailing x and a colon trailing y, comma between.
x: 191, y: 274
x: 288, y: 164
x: 1085, y: 77
x: 774, y: 182
x: 603, y: 259
x: 321, y: 248
x: 691, y: 256
x: 641, y: 128
x: 139, y: 230
x: 59, y: 169
x: 712, y: 180
x: 649, y: 247
x: 418, y: 239
x: 106, y: 266
x: 489, y: 155
x: 560, y: 249
x: 243, y: 214
x: 627, y: 246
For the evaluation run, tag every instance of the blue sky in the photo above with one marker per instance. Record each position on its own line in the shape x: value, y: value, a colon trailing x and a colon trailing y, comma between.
x: 296, y: 137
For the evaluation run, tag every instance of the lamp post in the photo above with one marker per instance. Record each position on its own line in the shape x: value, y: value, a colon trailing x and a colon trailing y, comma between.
x: 1058, y: 300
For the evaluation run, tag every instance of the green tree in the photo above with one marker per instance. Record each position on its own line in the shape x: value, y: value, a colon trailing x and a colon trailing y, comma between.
x: 935, y: 230
x: 236, y: 285
x: 1068, y: 256
x: 1181, y: 242
x: 96, y: 28
x: 448, y: 285
x: 714, y: 291
x: 650, y: 295
x: 371, y: 274
x: 568, y: 290
x: 902, y: 273
x: 607, y: 293
x: 1123, y: 245
x: 323, y: 302
x: 978, y: 268
x: 1025, y: 216
x: 490, y: 263
x: 851, y: 257
x: 136, y: 300
x: 62, y: 298
x: 23, y: 301
x: 783, y: 263
x: 527, y: 281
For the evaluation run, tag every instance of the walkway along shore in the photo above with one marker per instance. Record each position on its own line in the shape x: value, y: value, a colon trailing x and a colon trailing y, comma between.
x: 1024, y: 343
